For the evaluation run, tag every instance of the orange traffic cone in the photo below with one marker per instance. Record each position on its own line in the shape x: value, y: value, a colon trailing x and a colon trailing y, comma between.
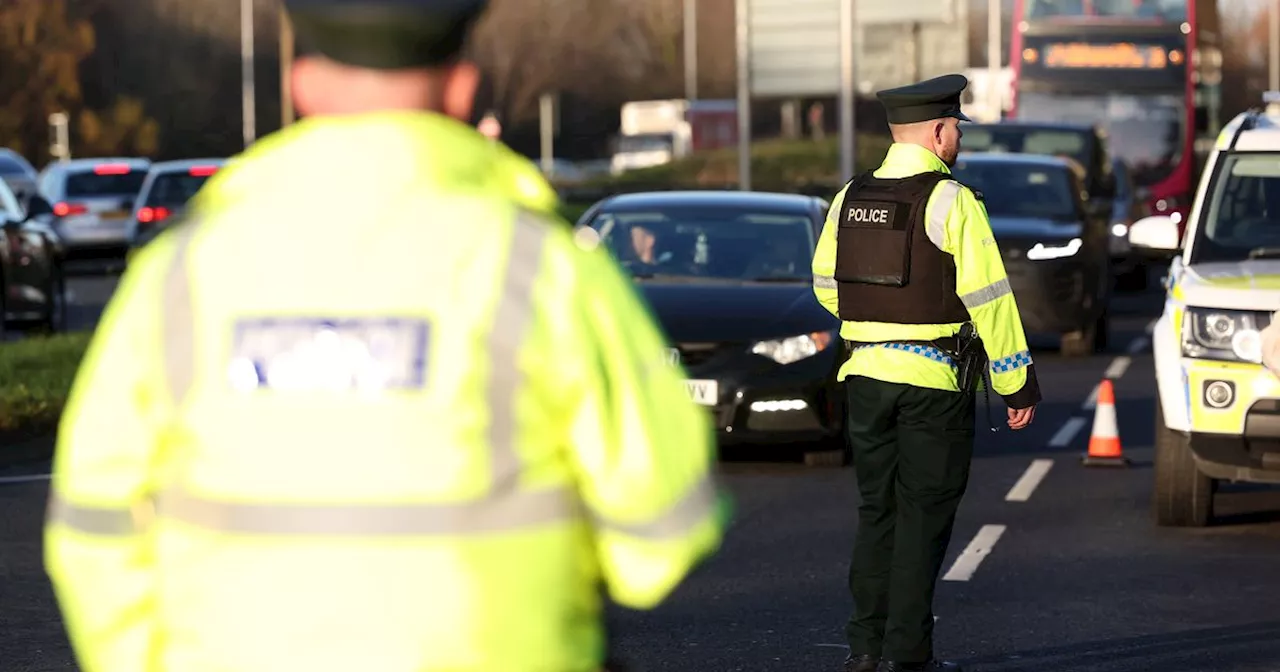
x: 1104, y: 444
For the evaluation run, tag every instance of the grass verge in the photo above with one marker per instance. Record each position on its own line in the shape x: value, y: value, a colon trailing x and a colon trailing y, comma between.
x: 35, y: 379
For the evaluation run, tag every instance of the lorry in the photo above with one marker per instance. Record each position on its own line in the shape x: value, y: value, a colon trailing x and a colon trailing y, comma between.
x: 655, y: 132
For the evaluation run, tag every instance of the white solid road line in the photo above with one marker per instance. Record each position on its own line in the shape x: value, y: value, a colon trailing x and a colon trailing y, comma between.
x: 1138, y: 345
x: 1026, y: 485
x: 974, y: 553
x: 1118, y: 366
x: 1067, y: 433
x: 23, y: 479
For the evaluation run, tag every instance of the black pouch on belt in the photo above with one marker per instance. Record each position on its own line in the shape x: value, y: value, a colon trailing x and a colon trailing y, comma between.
x: 970, y: 358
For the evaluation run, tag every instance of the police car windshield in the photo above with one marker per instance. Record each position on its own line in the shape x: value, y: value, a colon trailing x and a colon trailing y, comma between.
x: 713, y: 243
x: 1020, y: 190
x: 1242, y: 219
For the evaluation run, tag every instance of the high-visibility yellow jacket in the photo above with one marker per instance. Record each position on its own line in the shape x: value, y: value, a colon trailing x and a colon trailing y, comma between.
x: 225, y: 497
x: 957, y: 223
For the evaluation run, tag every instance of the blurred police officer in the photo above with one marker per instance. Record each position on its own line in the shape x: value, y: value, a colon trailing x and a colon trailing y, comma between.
x: 908, y: 262
x: 370, y: 407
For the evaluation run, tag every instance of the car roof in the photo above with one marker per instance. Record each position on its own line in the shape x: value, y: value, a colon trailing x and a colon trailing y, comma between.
x: 738, y: 199
x: 185, y: 164
x: 1261, y: 135
x: 86, y: 164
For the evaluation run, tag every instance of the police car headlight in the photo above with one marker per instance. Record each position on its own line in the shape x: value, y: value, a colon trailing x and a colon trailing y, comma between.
x: 794, y: 349
x: 1119, y: 229
x: 1041, y: 251
x: 1231, y: 335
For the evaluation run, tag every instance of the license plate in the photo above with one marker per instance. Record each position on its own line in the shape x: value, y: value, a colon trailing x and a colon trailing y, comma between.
x: 112, y: 216
x: 704, y: 392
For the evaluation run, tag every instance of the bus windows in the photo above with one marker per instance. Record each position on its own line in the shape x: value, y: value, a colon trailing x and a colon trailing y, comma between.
x: 1163, y: 10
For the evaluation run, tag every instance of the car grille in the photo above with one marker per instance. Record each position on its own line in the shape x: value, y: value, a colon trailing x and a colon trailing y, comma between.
x: 693, y: 354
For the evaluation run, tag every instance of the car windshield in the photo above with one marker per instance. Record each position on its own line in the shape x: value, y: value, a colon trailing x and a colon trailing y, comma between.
x: 89, y: 184
x: 654, y: 142
x: 1017, y: 190
x: 1144, y: 131
x: 174, y: 189
x: 1021, y: 140
x: 712, y: 243
x: 1242, y: 220
x: 11, y: 167
x: 1164, y: 10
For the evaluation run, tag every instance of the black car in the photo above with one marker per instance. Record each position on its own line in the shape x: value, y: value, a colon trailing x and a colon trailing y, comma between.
x: 728, y: 275
x: 1056, y: 253
x: 1085, y: 144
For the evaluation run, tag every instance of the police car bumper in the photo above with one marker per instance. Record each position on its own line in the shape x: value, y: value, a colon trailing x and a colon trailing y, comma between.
x: 753, y: 399
x: 1053, y: 295
x: 1235, y: 420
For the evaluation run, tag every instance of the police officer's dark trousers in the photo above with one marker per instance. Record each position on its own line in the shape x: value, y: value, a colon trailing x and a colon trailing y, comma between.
x: 911, y: 451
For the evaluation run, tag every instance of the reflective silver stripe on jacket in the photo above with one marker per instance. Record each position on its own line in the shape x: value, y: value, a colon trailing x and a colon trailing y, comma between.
x: 981, y: 297
x: 504, y: 507
x: 936, y: 225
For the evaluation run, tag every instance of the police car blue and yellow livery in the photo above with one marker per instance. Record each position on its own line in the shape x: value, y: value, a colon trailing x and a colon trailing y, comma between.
x: 956, y: 225
x: 1219, y: 411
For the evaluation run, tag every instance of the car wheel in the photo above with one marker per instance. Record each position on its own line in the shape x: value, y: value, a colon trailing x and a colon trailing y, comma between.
x: 1182, y: 497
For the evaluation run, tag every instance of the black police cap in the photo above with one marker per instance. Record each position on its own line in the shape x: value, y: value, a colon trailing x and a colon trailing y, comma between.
x: 935, y: 98
x: 384, y: 34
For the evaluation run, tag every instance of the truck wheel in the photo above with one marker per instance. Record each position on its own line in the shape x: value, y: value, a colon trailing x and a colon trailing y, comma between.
x: 1080, y: 343
x: 1182, y: 497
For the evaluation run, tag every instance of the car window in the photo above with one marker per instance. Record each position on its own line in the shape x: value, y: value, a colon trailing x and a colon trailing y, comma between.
x: 1013, y: 140
x: 173, y: 189
x: 1243, y: 217
x: 10, y: 166
x: 720, y: 243
x: 90, y: 184
x: 1014, y: 190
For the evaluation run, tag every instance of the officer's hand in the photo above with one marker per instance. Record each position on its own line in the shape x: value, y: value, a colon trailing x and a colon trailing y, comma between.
x: 1019, y: 418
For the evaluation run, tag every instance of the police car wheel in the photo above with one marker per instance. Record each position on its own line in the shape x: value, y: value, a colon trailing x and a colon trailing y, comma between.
x: 1182, y: 497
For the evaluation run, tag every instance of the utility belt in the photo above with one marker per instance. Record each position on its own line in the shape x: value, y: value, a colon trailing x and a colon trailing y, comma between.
x: 966, y: 352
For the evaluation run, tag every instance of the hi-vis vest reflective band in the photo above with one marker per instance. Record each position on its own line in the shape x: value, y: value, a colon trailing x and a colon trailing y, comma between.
x: 504, y: 507
x: 888, y: 268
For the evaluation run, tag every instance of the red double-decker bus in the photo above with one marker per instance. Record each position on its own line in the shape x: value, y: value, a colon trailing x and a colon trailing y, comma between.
x: 1147, y: 72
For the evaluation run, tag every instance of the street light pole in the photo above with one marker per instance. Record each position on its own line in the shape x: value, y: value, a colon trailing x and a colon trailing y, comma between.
x: 1275, y: 45
x: 248, y: 89
x: 691, y: 49
x: 995, y: 101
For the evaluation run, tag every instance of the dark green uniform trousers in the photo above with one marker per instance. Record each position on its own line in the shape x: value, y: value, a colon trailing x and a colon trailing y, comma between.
x: 911, y: 451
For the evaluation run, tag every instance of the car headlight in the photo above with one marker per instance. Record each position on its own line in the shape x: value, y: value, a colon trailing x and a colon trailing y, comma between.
x: 795, y: 348
x: 1041, y: 251
x: 1119, y: 229
x: 1232, y: 335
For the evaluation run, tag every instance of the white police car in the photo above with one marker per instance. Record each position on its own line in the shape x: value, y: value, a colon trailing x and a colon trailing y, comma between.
x: 1218, y: 416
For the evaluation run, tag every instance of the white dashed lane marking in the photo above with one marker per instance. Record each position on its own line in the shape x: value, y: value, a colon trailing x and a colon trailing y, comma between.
x: 977, y: 551
x: 1026, y: 485
x: 1068, y: 432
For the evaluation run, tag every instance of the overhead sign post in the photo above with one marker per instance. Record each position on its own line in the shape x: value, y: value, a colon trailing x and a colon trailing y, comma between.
x: 742, y: 11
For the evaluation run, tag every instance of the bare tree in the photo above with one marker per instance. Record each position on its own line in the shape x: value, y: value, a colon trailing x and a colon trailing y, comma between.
x: 604, y: 49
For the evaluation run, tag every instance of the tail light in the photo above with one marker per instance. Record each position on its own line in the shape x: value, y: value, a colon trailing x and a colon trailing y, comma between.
x: 67, y: 209
x: 203, y: 171
x: 111, y: 169
x: 153, y: 215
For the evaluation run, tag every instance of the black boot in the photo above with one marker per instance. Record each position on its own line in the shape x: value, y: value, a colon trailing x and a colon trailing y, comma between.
x: 931, y: 666
x: 861, y: 663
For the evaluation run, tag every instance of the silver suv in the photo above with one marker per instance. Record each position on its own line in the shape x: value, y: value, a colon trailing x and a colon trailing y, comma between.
x: 93, y: 202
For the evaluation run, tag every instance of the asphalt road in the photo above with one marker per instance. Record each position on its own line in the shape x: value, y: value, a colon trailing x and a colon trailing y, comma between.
x: 1073, y: 577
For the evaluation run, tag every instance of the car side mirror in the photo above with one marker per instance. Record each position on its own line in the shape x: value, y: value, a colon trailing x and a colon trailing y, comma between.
x: 1157, y: 233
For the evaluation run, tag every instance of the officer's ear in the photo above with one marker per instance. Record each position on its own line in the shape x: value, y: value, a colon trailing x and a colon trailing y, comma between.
x: 939, y: 126
x: 460, y: 82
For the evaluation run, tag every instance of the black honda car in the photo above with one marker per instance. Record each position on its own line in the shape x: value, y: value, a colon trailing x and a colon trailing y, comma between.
x: 728, y: 275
